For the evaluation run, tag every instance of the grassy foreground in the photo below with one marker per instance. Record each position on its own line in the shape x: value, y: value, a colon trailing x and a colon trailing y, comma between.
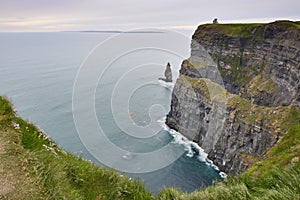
x: 33, y: 167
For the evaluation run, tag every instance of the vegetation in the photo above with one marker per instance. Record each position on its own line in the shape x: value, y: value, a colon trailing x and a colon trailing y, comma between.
x: 238, y: 74
x: 212, y: 91
x: 277, y: 177
x: 258, y: 84
x: 241, y: 30
x: 235, y: 73
x: 289, y: 24
x: 37, y: 169
x: 275, y: 119
x: 278, y: 184
x: 285, y: 154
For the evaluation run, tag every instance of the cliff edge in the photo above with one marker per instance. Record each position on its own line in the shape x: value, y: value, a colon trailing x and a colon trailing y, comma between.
x: 239, y: 92
x: 33, y: 167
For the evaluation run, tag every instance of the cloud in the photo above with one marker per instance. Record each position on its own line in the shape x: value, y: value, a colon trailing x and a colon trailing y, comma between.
x: 55, y: 15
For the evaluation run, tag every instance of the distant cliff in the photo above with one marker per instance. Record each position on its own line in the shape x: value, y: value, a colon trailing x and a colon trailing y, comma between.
x: 259, y: 66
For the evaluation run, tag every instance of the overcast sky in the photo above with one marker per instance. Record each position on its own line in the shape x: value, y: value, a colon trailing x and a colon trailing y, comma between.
x: 61, y: 15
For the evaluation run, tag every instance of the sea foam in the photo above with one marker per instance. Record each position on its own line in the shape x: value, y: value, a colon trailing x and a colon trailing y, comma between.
x: 168, y: 85
x: 192, y: 149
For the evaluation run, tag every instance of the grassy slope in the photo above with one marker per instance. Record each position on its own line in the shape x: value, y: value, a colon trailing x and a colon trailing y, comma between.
x: 240, y: 30
x: 277, y: 177
x: 33, y: 167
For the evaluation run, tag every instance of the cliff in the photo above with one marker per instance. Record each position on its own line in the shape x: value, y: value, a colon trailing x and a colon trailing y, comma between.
x: 239, y: 92
x: 258, y: 61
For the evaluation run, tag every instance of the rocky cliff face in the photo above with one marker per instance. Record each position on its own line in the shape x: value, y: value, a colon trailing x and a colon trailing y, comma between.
x: 258, y: 61
x: 259, y: 66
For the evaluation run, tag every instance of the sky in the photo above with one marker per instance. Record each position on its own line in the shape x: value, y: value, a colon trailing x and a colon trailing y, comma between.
x: 74, y: 15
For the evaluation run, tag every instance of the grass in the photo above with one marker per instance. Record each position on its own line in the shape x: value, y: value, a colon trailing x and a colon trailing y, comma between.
x: 279, y: 184
x: 258, y: 85
x: 238, y: 74
x: 288, y: 24
x: 211, y: 90
x: 35, y: 168
x: 274, y: 119
x: 252, y: 30
x: 285, y: 154
x: 231, y: 30
x: 277, y: 177
x: 44, y: 171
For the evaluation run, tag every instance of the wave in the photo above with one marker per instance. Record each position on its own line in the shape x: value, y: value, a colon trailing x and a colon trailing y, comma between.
x: 192, y: 148
x: 168, y: 85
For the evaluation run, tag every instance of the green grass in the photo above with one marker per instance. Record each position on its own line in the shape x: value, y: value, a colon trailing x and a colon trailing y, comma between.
x: 285, y: 154
x: 254, y: 30
x: 258, y: 84
x: 230, y: 30
x: 239, y: 74
x: 54, y: 173
x: 275, y: 119
x: 288, y: 24
x: 212, y: 91
x: 279, y: 184
x: 44, y: 171
x: 277, y: 177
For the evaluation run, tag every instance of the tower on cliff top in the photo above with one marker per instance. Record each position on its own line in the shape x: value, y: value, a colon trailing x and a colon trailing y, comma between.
x: 215, y: 21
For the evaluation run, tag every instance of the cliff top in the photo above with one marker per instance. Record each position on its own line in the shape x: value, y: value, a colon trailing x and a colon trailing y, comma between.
x: 256, y: 61
x: 244, y: 30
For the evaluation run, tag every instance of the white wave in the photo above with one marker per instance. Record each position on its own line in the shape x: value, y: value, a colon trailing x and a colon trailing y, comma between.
x: 192, y: 148
x: 127, y: 156
x: 168, y: 85
x: 223, y: 175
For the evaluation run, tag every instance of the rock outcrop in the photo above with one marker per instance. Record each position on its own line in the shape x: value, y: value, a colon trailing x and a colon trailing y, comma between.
x: 238, y: 103
x: 168, y: 74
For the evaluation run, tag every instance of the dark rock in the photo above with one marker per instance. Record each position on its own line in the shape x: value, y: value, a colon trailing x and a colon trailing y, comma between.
x: 168, y: 74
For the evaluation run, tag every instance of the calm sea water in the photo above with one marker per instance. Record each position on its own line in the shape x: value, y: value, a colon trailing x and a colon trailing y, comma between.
x: 37, y: 72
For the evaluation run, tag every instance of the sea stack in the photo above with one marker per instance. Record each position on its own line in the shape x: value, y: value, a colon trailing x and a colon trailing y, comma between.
x: 168, y: 74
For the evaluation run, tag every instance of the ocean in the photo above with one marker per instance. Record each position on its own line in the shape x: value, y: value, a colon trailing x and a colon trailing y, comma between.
x: 41, y: 72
